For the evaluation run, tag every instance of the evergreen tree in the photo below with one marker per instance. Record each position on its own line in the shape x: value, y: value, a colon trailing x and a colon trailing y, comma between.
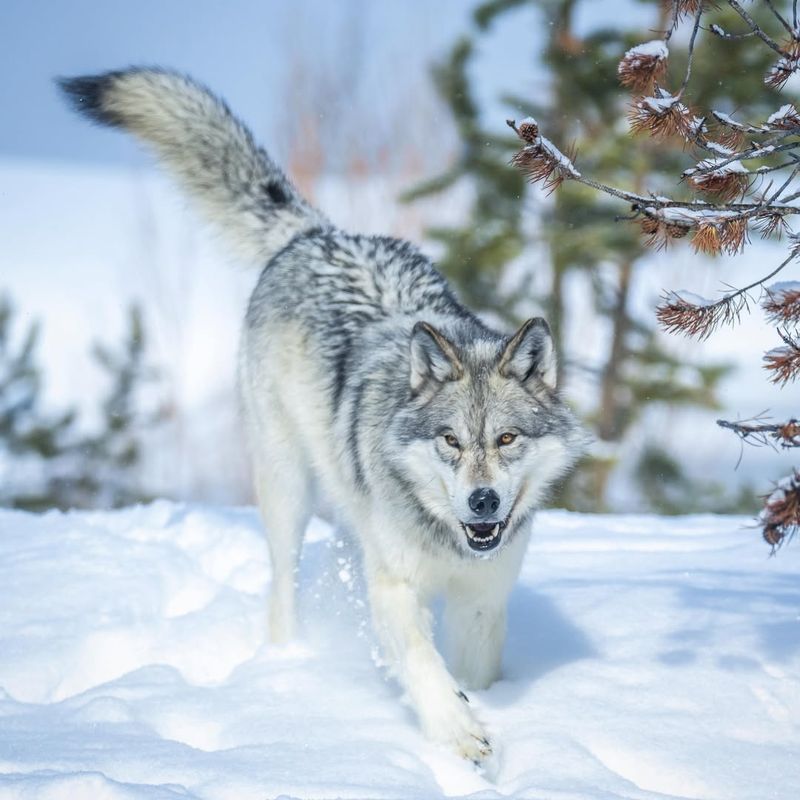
x: 47, y: 460
x: 741, y: 175
x: 594, y: 258
x: 28, y: 435
x: 107, y: 467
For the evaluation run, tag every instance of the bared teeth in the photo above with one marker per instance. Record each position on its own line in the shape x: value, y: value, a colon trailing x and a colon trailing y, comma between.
x: 486, y: 537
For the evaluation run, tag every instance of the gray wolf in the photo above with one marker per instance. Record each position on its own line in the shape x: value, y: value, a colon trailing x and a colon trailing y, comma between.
x: 365, y: 382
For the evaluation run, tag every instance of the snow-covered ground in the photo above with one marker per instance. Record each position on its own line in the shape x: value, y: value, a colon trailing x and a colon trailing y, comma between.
x: 647, y: 658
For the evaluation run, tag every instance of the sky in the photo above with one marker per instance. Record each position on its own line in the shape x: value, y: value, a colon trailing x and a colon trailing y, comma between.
x: 245, y: 50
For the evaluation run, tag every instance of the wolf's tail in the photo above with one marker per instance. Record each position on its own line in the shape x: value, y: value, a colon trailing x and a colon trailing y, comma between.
x: 234, y: 182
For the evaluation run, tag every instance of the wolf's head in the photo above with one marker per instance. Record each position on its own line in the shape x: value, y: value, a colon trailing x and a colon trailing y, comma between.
x: 484, y: 433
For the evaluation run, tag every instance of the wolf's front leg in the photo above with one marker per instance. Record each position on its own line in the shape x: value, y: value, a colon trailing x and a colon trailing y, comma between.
x: 404, y: 626
x: 475, y: 630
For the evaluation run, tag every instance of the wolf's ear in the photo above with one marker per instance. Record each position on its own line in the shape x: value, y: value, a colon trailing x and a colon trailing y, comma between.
x: 433, y: 357
x: 530, y: 354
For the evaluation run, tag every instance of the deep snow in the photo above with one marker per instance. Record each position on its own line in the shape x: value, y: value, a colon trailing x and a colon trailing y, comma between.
x: 646, y: 658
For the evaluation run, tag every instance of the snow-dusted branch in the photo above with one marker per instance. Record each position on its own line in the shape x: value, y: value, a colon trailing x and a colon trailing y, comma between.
x: 783, y: 363
x: 759, y: 432
x: 780, y: 517
x: 732, y: 192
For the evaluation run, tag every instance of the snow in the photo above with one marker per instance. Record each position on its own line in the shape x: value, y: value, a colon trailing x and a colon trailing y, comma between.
x: 647, y: 658
x: 720, y: 148
x: 554, y: 154
x: 725, y: 118
x: 782, y: 113
x: 692, y: 216
x: 781, y: 67
x: 718, y: 166
x: 662, y: 103
x: 778, y: 352
x: 657, y: 48
x: 685, y: 296
x: 783, y: 487
x: 783, y: 288
x: 542, y: 145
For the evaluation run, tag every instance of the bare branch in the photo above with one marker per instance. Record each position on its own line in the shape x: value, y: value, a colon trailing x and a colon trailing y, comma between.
x: 783, y: 435
x: 769, y: 41
x: 779, y: 17
x: 692, y: 40
x: 731, y: 37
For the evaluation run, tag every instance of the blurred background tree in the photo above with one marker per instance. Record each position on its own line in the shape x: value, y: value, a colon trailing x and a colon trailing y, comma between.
x: 568, y: 255
x: 46, y: 459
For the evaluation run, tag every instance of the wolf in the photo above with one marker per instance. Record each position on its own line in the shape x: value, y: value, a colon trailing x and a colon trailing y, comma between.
x: 365, y: 382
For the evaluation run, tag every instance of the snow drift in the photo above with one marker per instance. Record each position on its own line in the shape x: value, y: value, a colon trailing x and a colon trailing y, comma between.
x: 647, y: 658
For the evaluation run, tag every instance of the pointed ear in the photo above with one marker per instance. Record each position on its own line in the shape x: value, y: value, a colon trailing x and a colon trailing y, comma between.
x: 530, y: 354
x: 433, y: 357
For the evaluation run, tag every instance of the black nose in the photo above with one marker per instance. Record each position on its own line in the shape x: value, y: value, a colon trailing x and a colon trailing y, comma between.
x: 484, y: 502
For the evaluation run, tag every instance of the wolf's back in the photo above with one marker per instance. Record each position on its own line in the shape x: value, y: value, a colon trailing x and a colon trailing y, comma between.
x: 234, y: 183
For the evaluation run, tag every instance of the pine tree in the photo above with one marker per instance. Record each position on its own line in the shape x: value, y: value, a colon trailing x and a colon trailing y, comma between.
x: 599, y: 261
x: 49, y: 461
x: 743, y: 177
x: 476, y: 253
x: 28, y: 435
x: 107, y: 475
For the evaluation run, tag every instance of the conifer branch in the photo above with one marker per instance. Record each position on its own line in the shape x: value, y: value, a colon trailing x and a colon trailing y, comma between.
x: 787, y: 27
x: 768, y: 40
x: 780, y: 517
x: 731, y: 195
x: 759, y: 432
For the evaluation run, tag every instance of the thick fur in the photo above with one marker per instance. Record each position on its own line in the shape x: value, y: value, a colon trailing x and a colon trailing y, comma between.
x: 366, y: 383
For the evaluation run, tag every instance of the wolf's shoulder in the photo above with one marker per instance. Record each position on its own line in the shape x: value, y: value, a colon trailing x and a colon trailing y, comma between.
x: 355, y: 277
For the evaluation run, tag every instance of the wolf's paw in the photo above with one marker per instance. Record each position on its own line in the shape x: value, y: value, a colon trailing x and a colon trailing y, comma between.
x: 474, y: 747
x: 457, y: 727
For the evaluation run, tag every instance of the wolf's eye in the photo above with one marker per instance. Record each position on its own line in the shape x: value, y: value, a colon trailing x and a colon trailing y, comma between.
x: 506, y: 438
x: 451, y: 440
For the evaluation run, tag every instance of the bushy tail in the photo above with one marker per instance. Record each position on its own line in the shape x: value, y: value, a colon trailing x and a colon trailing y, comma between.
x: 235, y: 183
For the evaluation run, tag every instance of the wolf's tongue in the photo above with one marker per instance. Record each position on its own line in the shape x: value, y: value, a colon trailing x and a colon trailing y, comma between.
x: 483, y: 527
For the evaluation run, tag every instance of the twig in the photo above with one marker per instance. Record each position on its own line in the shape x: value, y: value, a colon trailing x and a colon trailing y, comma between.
x: 759, y: 151
x: 691, y: 50
x: 779, y: 17
x: 784, y: 185
x: 675, y: 19
x: 678, y: 315
x: 756, y: 29
x: 729, y: 37
x: 785, y: 434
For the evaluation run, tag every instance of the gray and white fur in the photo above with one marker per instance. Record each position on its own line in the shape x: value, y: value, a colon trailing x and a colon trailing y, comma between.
x: 364, y: 381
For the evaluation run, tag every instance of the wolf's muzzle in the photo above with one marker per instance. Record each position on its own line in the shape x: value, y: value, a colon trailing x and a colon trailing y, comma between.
x: 484, y: 536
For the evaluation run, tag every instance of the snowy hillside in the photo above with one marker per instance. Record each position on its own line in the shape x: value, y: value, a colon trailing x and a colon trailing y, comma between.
x: 647, y: 658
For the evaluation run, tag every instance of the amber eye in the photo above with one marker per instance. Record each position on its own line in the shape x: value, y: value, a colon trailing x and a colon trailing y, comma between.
x: 506, y: 438
x: 451, y: 440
